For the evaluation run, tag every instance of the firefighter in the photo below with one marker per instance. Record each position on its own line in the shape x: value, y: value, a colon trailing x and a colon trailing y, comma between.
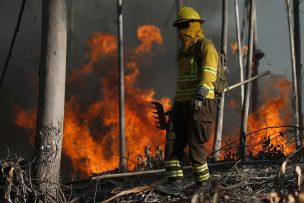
x: 194, y: 103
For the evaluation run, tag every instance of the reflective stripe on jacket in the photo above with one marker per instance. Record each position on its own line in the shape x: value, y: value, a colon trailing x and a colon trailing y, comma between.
x: 191, y: 76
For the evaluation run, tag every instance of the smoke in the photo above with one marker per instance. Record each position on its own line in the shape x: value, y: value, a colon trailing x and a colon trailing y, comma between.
x: 158, y: 70
x: 21, y: 82
x: 20, y: 85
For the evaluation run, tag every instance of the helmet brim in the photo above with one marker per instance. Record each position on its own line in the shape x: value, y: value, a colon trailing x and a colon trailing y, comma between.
x: 184, y: 20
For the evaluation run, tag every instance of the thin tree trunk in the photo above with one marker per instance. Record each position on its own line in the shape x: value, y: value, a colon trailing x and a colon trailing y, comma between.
x: 255, y: 66
x: 294, y: 73
x: 239, y: 43
x: 297, y: 39
x: 51, y: 95
x: 122, y: 138
x: 220, y: 113
x: 245, y: 110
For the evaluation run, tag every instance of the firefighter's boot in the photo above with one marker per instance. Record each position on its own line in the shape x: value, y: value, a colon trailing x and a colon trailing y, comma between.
x: 171, y: 187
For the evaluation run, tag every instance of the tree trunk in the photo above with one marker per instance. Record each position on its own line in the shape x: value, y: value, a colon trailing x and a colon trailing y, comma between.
x: 51, y: 95
x: 297, y: 39
x: 294, y: 74
x: 239, y: 43
x: 255, y: 67
x: 220, y: 114
x: 122, y: 138
x: 245, y: 110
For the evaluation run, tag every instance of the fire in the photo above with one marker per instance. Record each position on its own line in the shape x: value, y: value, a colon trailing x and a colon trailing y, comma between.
x: 234, y: 47
x: 274, y: 112
x: 270, y: 114
x: 27, y: 119
x: 148, y: 36
x: 101, y: 44
x: 91, y: 134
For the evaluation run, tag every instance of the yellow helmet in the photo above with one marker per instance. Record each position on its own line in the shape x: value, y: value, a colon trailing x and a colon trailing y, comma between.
x: 187, y: 14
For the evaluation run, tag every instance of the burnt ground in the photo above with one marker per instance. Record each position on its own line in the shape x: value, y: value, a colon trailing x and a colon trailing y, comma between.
x: 251, y: 181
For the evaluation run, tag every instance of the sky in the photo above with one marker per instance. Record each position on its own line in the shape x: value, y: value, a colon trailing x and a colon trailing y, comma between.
x: 20, y: 89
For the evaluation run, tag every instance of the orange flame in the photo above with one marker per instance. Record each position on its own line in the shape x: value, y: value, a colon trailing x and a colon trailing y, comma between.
x: 274, y: 112
x: 101, y: 44
x: 27, y: 119
x: 91, y: 154
x: 148, y: 35
x: 270, y: 114
x: 234, y: 47
x: 91, y: 135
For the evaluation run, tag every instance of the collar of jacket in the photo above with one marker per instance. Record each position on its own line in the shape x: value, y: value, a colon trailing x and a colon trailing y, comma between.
x: 190, y: 36
x: 187, y: 48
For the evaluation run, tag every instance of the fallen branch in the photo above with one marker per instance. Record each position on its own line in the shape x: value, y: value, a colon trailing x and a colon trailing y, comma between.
x: 126, y: 192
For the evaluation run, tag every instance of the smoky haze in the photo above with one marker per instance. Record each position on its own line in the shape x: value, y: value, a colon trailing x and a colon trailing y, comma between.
x: 159, y: 71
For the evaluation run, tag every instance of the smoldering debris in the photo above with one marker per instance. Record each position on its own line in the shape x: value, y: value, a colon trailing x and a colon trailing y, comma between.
x: 251, y: 181
x: 255, y: 182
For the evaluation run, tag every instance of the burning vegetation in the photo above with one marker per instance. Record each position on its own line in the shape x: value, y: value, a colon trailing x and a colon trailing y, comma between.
x: 91, y: 133
x: 270, y: 136
x: 272, y: 171
x: 91, y: 136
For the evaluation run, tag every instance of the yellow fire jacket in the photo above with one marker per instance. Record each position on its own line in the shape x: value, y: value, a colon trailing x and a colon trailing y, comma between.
x: 191, y: 76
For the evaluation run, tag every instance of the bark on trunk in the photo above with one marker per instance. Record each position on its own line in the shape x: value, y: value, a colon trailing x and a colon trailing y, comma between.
x: 239, y: 43
x: 51, y: 95
x: 297, y: 39
x: 122, y: 137
x: 255, y: 67
x: 220, y: 113
x: 294, y: 74
x: 245, y: 110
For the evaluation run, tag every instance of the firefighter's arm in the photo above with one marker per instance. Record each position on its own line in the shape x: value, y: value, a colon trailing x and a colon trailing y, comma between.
x: 208, y: 70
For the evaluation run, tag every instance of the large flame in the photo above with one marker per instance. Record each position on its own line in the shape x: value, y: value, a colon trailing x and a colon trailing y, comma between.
x: 91, y: 134
x: 273, y: 113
